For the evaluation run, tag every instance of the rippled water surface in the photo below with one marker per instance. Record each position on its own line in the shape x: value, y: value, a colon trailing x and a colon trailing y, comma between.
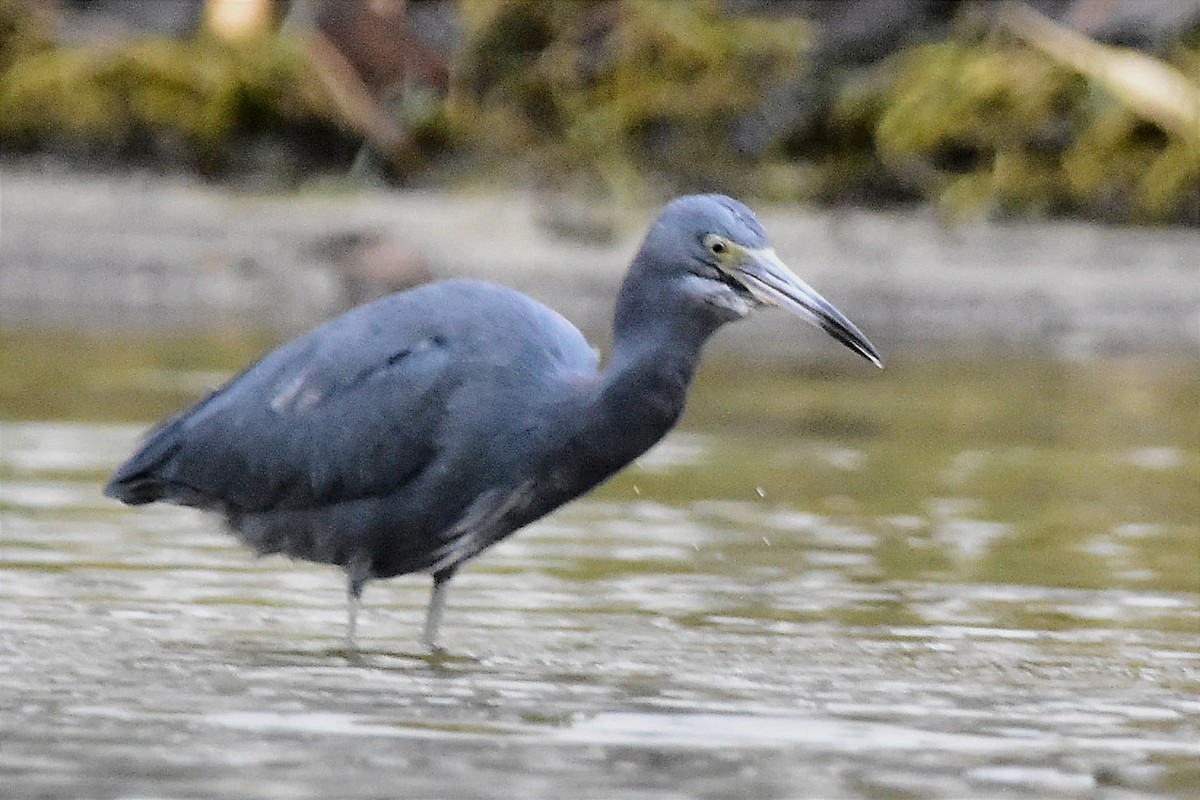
x: 943, y: 580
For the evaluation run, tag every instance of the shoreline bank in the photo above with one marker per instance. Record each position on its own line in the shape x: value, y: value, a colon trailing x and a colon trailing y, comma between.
x: 106, y: 251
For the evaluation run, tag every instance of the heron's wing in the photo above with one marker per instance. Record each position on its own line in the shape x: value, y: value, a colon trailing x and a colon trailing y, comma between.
x: 348, y: 411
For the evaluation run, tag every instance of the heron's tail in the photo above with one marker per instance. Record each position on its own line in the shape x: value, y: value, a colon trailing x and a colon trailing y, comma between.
x: 134, y: 492
x: 145, y: 477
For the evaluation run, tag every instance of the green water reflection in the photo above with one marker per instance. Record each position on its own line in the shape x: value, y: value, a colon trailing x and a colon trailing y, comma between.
x: 975, y: 470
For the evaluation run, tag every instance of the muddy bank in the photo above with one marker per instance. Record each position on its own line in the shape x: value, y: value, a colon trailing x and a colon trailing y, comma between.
x: 104, y: 251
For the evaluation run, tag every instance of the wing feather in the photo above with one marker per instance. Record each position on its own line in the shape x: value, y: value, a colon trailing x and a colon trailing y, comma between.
x: 344, y: 412
x: 361, y: 406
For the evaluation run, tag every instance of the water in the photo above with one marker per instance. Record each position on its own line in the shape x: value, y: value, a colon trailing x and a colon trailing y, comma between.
x: 955, y: 578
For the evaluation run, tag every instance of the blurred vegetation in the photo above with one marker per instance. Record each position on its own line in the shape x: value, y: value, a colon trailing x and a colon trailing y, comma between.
x: 202, y: 103
x: 644, y: 95
x: 631, y: 99
x: 623, y: 95
x: 23, y: 32
x: 995, y: 126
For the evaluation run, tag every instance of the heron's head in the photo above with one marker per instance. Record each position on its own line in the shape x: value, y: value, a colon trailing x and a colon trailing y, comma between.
x: 714, y: 250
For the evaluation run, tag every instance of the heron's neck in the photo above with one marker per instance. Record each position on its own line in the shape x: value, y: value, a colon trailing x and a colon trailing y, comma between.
x: 656, y: 347
x: 639, y: 397
x: 644, y: 389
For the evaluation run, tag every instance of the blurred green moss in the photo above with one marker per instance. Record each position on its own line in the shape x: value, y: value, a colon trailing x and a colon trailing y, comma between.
x: 196, y: 101
x: 628, y: 96
x: 24, y: 31
x: 626, y: 100
x: 995, y: 128
x: 624, y: 93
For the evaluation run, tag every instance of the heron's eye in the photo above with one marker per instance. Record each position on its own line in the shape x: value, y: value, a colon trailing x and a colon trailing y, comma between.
x: 718, y: 246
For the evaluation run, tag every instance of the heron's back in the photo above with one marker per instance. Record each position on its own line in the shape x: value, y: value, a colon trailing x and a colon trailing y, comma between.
x: 379, y: 429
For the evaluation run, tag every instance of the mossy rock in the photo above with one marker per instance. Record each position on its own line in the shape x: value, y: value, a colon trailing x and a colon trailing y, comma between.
x: 25, y: 29
x: 195, y: 101
x: 630, y: 100
x: 632, y: 93
x: 638, y: 95
x: 999, y: 128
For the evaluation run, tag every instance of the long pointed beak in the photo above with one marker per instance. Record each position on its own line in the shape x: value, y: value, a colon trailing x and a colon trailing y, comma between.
x: 773, y: 284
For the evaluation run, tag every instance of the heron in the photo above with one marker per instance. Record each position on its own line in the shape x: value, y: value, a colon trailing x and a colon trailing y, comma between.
x: 413, y: 432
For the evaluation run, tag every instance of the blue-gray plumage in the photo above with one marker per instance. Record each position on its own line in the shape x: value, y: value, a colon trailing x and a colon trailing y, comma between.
x: 410, y: 433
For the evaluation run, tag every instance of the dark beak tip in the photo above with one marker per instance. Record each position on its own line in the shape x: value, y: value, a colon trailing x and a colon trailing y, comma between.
x: 850, y: 337
x: 873, y: 357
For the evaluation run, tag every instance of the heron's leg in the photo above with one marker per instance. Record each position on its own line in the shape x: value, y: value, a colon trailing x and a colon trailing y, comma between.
x: 437, y: 605
x: 357, y: 574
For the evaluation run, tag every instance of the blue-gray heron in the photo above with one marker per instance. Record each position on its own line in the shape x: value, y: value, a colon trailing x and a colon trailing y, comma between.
x: 411, y: 433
